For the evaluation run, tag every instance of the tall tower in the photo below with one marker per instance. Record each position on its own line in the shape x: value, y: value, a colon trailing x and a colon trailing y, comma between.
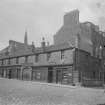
x: 25, y: 38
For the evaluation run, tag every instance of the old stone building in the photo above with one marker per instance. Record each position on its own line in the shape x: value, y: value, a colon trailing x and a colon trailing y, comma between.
x: 85, y: 36
x: 75, y: 57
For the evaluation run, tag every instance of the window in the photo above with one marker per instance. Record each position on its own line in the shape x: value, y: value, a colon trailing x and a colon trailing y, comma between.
x: 36, y: 58
x: 38, y: 75
x: 2, y: 62
x: 48, y: 56
x: 17, y: 60
x: 100, y: 75
x: 9, y: 61
x: 94, y: 74
x: 62, y: 54
x: 65, y: 76
x: 26, y: 59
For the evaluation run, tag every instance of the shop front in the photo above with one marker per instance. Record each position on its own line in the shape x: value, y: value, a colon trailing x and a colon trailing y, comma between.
x: 26, y: 73
x: 40, y: 73
x: 63, y: 75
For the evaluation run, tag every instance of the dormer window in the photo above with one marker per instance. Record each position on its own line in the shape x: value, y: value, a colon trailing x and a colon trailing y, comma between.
x: 88, y: 24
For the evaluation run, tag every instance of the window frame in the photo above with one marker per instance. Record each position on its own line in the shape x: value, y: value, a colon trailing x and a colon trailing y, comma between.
x: 9, y: 61
x: 62, y: 54
x: 26, y: 59
x: 17, y: 60
x: 37, y: 58
x: 48, y: 56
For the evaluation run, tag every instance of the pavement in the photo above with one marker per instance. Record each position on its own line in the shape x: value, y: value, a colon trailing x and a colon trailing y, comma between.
x: 17, y: 92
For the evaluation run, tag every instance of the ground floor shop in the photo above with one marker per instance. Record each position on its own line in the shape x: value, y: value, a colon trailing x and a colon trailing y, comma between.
x: 10, y: 72
x: 59, y: 74
x: 53, y: 74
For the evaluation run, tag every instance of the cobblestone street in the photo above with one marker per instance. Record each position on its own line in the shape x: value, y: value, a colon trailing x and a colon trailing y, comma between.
x: 16, y: 92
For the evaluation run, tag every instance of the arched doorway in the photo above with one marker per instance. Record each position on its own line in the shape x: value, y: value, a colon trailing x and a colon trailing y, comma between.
x: 26, y: 73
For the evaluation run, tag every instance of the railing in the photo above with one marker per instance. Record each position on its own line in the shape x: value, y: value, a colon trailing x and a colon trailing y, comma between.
x: 92, y: 82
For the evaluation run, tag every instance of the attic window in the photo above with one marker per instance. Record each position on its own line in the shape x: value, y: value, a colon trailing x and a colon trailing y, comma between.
x: 88, y: 24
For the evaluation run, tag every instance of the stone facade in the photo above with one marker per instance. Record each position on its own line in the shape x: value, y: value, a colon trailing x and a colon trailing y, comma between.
x: 70, y: 29
x: 53, y: 64
x: 75, y: 57
x: 85, y: 36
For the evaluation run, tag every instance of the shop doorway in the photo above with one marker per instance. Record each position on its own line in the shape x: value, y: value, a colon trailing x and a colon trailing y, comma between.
x: 50, y: 75
x: 18, y: 73
x: 10, y: 74
x: 58, y: 76
x: 104, y: 77
x: 26, y: 73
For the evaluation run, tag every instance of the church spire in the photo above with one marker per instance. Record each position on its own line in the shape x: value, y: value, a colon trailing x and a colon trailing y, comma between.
x: 25, y: 38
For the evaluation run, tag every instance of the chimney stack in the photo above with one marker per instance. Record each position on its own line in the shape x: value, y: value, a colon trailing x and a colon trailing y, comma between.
x: 33, y: 47
x: 43, y: 43
x: 48, y: 43
x: 25, y: 38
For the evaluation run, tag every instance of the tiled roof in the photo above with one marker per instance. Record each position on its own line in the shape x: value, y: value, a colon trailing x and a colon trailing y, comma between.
x: 23, y: 49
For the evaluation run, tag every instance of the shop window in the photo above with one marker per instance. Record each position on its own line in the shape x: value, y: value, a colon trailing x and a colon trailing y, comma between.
x: 33, y: 75
x: 38, y: 75
x: 65, y: 76
x: 100, y: 75
x: 94, y: 75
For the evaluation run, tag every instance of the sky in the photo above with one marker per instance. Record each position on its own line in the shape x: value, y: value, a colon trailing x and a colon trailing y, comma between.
x: 43, y: 18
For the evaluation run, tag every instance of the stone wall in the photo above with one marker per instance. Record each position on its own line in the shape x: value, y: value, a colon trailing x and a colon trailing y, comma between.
x: 88, y: 67
x: 69, y: 30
